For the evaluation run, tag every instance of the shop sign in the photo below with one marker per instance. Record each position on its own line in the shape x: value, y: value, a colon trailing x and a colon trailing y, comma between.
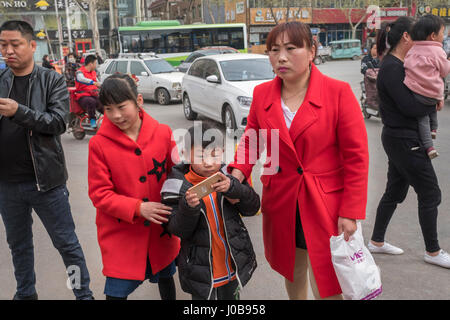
x: 240, y: 7
x: 443, y: 12
x: 76, y: 34
x: 40, y: 5
x: 264, y: 15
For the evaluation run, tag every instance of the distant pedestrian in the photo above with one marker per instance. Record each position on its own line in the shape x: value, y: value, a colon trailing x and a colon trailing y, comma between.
x: 129, y: 160
x: 371, y: 59
x: 46, y: 63
x: 426, y: 65
x: 408, y: 162
x: 33, y: 105
x: 99, y: 58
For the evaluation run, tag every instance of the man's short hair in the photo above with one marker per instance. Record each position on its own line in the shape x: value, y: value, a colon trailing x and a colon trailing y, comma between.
x: 23, y: 27
x: 89, y: 59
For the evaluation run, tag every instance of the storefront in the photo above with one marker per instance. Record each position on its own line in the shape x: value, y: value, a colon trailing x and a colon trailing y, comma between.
x: 42, y: 15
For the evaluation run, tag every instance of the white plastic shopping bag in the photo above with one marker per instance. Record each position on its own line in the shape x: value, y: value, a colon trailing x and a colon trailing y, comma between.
x: 357, y: 273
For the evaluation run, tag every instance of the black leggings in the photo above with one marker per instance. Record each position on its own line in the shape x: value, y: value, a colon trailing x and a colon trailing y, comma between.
x: 166, y: 287
x: 409, y: 165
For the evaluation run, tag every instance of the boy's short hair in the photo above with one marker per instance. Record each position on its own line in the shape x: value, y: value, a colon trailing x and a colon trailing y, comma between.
x: 205, y: 134
x: 90, y: 59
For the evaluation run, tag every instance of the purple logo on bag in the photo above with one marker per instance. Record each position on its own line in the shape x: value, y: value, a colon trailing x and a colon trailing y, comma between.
x: 358, y: 256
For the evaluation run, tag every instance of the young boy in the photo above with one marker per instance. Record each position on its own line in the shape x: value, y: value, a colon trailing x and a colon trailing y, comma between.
x: 216, y: 257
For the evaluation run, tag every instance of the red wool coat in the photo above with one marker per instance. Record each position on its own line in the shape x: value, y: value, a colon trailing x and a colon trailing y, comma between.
x: 122, y: 173
x: 323, y: 167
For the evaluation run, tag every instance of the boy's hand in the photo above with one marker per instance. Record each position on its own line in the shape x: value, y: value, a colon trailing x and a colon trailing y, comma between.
x: 440, y: 105
x: 192, y: 199
x: 155, y: 212
x: 222, y: 186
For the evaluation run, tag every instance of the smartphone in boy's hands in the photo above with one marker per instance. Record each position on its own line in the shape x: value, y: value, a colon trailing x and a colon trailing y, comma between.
x: 205, y: 187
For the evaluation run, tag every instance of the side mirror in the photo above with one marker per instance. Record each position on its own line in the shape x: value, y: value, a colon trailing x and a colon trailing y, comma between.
x: 144, y: 74
x: 212, y: 79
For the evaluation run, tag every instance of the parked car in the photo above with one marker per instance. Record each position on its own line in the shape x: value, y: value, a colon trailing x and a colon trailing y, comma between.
x: 158, y: 80
x: 207, y: 51
x: 2, y: 63
x: 350, y: 48
x: 220, y: 87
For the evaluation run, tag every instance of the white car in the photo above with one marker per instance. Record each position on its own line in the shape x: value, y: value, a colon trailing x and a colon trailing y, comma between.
x: 220, y: 87
x: 158, y: 80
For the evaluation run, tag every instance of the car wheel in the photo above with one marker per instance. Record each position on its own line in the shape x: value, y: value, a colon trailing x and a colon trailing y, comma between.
x: 187, y: 109
x: 78, y: 134
x: 317, y: 61
x: 162, y: 96
x: 229, y: 120
x: 355, y: 57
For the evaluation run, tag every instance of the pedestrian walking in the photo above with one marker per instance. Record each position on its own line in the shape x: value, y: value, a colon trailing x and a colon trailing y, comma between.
x: 34, y: 102
x: 46, y: 63
x: 408, y: 162
x: 319, y: 187
x: 426, y: 65
x: 370, y: 60
x: 129, y: 159
x: 216, y: 258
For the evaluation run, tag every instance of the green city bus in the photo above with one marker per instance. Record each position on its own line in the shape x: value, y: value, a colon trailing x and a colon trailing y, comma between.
x: 173, y: 41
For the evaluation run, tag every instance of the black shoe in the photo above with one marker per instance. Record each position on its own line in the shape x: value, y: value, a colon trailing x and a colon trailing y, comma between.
x: 32, y: 297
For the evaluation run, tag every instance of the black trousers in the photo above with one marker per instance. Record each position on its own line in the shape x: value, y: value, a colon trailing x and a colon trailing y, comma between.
x: 409, y: 165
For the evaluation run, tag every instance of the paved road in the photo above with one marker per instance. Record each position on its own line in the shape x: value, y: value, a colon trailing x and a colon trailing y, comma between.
x: 404, y: 277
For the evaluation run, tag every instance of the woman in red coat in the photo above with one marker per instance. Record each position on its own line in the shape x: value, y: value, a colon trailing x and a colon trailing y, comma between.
x: 316, y: 141
x: 129, y: 160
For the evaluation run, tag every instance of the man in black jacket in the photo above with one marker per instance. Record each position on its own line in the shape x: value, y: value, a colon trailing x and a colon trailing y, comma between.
x: 34, y: 102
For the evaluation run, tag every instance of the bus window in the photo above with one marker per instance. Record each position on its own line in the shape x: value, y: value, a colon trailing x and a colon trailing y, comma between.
x: 237, y: 39
x: 185, y: 41
x: 221, y: 38
x: 201, y: 38
x: 173, y: 42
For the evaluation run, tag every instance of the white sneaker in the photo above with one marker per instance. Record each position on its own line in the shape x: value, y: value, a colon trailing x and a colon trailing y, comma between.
x: 385, y: 248
x: 442, y: 259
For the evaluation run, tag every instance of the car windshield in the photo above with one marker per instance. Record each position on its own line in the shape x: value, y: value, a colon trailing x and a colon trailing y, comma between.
x: 159, y: 66
x: 247, y: 70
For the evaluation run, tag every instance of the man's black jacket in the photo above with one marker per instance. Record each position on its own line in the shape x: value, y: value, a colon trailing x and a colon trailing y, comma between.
x: 44, y: 117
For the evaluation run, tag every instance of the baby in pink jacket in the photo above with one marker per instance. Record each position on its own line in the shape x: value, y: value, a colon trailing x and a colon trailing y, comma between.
x: 426, y: 65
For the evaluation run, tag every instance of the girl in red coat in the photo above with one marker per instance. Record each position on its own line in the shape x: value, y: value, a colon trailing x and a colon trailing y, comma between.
x: 129, y: 160
x: 316, y: 140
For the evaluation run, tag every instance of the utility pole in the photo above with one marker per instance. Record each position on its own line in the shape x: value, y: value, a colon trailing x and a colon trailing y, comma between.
x: 69, y: 29
x: 58, y: 21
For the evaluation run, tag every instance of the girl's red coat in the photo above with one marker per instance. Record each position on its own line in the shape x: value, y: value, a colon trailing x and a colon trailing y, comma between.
x: 122, y: 173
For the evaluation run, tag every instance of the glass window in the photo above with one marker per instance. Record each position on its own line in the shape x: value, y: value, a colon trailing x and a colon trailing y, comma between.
x: 159, y: 66
x: 111, y: 68
x: 193, y: 56
x: 211, y: 69
x: 197, y: 68
x: 247, y: 70
x: 173, y: 42
x: 137, y: 68
x: 122, y: 66
x: 201, y: 38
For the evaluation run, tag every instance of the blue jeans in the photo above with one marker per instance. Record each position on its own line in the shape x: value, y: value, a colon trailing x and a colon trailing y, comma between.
x: 16, y: 202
